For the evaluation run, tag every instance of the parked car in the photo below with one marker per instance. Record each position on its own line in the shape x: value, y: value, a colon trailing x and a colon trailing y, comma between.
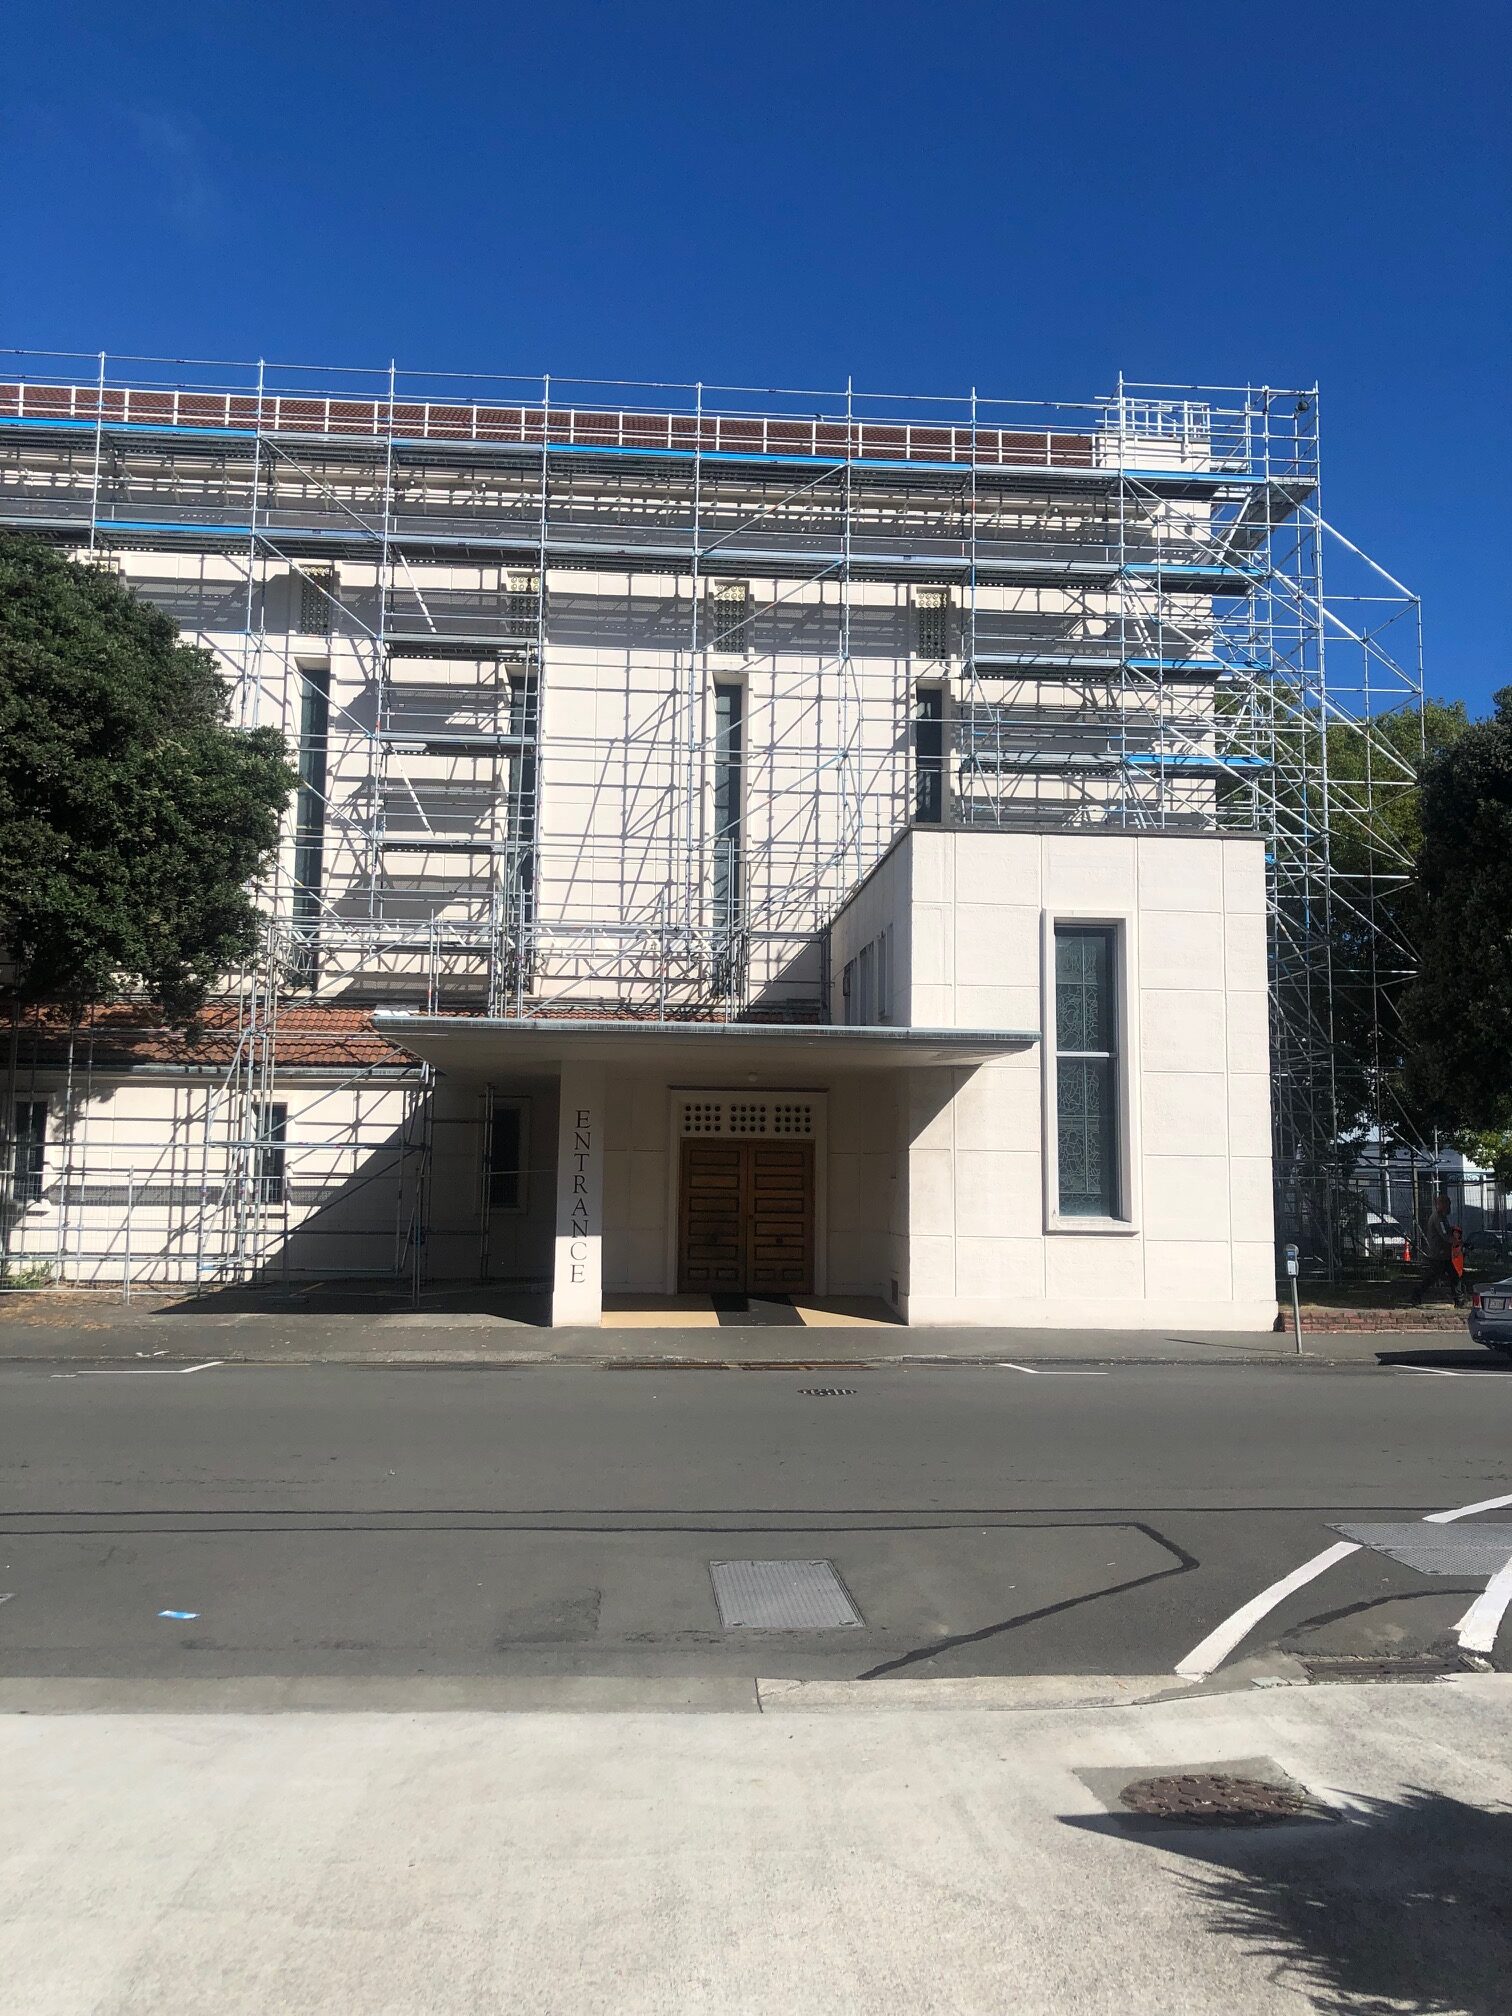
x: 1385, y: 1238
x: 1487, y: 1252
x: 1491, y: 1315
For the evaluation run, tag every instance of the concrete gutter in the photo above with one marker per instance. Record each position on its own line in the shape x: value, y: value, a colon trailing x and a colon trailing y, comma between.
x: 176, y: 1337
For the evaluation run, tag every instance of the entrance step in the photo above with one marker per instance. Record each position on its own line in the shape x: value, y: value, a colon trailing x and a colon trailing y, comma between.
x: 739, y: 1312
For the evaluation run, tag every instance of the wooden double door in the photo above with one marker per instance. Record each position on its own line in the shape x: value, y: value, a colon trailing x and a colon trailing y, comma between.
x: 746, y: 1218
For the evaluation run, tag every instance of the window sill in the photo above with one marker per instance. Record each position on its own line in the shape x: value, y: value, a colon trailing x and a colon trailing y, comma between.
x: 1102, y: 1228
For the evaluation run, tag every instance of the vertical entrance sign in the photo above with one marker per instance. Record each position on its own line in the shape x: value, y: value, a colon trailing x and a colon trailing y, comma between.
x: 578, y: 1270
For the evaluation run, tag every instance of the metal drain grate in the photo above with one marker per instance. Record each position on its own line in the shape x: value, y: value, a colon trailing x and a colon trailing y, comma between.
x: 1213, y: 1799
x: 782, y: 1596
x: 1322, y: 1668
x: 1436, y: 1550
x: 828, y: 1392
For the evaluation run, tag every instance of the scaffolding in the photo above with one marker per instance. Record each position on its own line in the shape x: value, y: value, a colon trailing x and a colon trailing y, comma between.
x: 1121, y: 604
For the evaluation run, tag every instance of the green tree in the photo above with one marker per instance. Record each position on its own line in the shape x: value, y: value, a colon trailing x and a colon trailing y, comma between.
x: 1375, y: 793
x: 1488, y: 1150
x: 1358, y: 784
x: 1458, y: 1009
x: 132, y: 817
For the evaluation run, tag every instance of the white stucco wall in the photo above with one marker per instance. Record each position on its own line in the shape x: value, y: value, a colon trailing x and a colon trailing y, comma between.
x: 146, y: 1166
x: 857, y: 1174
x: 938, y: 1181
x: 972, y: 914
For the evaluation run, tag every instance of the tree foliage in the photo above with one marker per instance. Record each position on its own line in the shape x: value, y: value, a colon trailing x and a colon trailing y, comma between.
x: 132, y: 817
x: 1389, y: 750
x: 1375, y: 837
x: 1458, y: 1010
x: 1488, y: 1149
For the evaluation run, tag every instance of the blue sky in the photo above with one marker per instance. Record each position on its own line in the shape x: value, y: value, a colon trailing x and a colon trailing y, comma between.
x: 1028, y: 198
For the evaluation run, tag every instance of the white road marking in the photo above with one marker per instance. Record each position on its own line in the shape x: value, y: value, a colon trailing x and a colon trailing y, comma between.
x: 1215, y: 1648
x: 139, y: 1371
x: 1467, y: 1511
x: 1444, y: 1372
x: 1477, y: 1629
x: 1053, y: 1371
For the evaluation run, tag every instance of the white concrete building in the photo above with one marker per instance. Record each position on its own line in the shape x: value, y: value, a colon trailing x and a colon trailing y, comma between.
x: 737, y: 854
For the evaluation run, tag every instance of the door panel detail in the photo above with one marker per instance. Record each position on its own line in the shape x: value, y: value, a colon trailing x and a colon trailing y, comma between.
x: 746, y: 1217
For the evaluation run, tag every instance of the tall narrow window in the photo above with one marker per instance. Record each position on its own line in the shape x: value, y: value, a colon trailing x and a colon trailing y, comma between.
x: 929, y: 755
x: 522, y: 790
x: 884, y: 975
x: 1086, y: 1071
x: 728, y: 612
x: 29, y: 1151
x: 866, y: 1012
x: 309, y: 805
x: 506, y: 1155
x: 270, y: 1135
x: 317, y: 601
x: 729, y: 811
x: 932, y: 623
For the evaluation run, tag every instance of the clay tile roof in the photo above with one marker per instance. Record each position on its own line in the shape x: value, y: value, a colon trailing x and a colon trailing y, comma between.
x: 313, y: 1035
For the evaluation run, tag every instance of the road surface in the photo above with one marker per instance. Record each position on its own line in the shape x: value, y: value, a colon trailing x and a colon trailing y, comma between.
x: 357, y: 1524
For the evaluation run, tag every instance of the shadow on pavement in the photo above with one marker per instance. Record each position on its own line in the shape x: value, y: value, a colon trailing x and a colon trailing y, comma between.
x: 361, y: 1298
x: 1403, y: 1908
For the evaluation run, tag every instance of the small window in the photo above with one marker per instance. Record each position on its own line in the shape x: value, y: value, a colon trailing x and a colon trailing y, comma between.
x: 270, y: 1133
x: 848, y: 995
x: 929, y: 755
x: 866, y: 962
x: 933, y: 626
x: 506, y: 1155
x: 884, y: 975
x: 317, y: 601
x: 29, y: 1151
x: 728, y: 611
x: 1086, y: 1072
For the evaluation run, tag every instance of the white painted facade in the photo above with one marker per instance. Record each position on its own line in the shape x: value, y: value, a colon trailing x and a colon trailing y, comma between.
x: 911, y: 961
x: 936, y: 1182
x: 971, y: 918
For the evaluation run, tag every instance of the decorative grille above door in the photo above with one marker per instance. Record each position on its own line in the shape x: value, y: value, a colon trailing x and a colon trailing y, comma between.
x: 771, y: 1116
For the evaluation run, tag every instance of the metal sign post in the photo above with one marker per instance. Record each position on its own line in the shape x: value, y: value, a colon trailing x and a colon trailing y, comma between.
x: 126, y: 1255
x: 1293, y: 1269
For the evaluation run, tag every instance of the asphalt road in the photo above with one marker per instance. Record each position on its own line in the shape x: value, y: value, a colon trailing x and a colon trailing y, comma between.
x: 560, y: 1520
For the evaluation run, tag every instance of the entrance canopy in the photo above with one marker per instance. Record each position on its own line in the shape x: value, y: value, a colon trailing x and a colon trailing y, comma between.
x: 477, y: 1045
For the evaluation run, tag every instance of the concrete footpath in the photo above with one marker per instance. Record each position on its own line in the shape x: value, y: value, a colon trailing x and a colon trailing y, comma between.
x: 801, y: 1863
x: 467, y: 1331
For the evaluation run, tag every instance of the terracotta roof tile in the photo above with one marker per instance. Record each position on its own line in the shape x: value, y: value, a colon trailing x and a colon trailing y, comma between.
x: 125, y: 1035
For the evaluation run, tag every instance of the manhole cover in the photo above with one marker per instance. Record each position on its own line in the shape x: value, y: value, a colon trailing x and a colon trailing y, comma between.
x: 828, y: 1392
x: 782, y: 1596
x: 1211, y: 1799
